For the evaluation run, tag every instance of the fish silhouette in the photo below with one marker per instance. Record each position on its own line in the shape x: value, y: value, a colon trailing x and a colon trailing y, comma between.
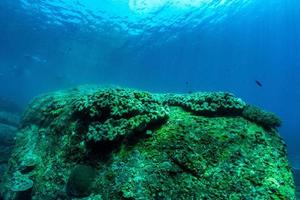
x: 188, y: 87
x: 258, y: 83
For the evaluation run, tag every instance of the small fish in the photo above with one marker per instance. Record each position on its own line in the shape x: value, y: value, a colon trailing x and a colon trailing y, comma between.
x: 258, y: 83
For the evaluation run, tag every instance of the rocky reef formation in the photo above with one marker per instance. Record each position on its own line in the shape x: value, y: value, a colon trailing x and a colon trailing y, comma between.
x: 297, y: 180
x: 9, y: 121
x: 113, y: 143
x: 8, y: 105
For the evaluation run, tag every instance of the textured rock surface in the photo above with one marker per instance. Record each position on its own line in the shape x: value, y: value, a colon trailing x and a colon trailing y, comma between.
x: 297, y: 180
x: 7, y: 105
x: 9, y: 121
x: 136, y: 145
x: 8, y: 118
x: 7, y: 135
x: 7, y: 141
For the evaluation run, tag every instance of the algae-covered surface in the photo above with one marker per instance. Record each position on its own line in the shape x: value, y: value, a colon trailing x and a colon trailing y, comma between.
x: 115, y: 143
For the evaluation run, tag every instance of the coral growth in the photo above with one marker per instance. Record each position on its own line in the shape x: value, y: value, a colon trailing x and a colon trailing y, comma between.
x: 96, y: 143
x: 22, y: 186
x: 9, y: 122
x: 208, y: 104
x: 264, y: 118
x: 113, y: 113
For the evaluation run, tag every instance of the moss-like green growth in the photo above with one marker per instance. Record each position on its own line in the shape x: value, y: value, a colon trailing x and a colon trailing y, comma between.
x: 264, y: 118
x: 148, y: 146
x: 208, y: 103
x: 20, y: 183
x: 112, y: 113
x: 21, y: 186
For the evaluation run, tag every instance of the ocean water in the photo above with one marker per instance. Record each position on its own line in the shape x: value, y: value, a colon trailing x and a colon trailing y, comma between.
x: 157, y: 45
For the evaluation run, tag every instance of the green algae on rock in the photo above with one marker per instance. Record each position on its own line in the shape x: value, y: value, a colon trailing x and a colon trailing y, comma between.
x: 21, y: 185
x: 113, y: 113
x: 208, y: 103
x: 137, y: 145
x: 264, y: 118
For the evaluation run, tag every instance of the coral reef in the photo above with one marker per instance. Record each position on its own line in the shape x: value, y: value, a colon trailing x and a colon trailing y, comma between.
x: 208, y: 104
x: 21, y: 186
x: 9, y: 118
x: 115, y: 143
x: 297, y: 180
x: 9, y: 121
x: 113, y: 113
x: 264, y: 118
x: 7, y: 134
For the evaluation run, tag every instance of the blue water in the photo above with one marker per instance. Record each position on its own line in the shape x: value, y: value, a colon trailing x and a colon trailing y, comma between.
x: 157, y: 45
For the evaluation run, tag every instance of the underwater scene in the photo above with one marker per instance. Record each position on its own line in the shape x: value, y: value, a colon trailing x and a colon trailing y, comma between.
x: 149, y: 99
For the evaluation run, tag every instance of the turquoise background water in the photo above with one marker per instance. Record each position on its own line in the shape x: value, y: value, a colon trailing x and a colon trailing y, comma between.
x: 157, y: 45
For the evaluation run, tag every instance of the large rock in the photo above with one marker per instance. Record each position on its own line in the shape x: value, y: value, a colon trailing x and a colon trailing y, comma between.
x: 9, y: 121
x: 8, y: 118
x: 7, y: 141
x: 93, y: 143
x: 7, y: 105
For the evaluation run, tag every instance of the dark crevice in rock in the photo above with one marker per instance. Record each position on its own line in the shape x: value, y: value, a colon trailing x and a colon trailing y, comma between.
x: 85, y: 115
x: 80, y: 181
x: 102, y: 150
x: 185, y: 169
